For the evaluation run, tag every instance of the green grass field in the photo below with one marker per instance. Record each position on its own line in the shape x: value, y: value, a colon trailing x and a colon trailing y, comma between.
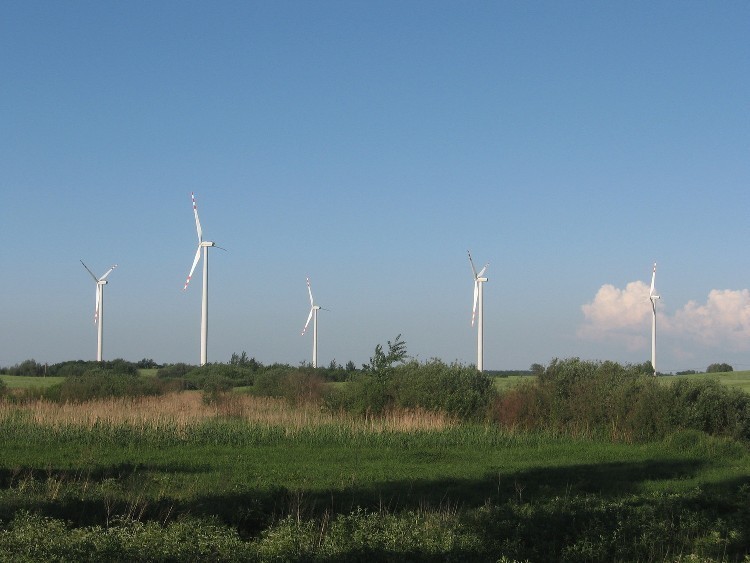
x: 342, y: 492
x: 503, y: 383
x: 20, y: 381
x: 739, y: 379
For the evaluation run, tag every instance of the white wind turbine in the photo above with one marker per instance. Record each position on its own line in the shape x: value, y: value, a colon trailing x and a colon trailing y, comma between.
x: 99, y: 307
x: 314, y: 316
x: 479, y: 281
x: 205, y: 245
x: 653, y: 297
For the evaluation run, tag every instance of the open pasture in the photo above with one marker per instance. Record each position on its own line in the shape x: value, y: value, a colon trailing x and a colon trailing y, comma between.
x: 24, y: 382
x: 740, y: 379
x: 299, y: 483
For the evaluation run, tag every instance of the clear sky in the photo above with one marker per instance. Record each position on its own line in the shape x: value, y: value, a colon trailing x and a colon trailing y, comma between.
x: 368, y: 145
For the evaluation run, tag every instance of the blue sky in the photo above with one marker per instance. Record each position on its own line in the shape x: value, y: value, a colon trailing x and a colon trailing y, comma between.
x: 368, y: 145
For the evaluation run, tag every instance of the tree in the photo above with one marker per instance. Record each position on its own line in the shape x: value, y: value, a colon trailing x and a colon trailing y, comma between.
x: 719, y: 368
x: 381, y: 363
x: 536, y: 369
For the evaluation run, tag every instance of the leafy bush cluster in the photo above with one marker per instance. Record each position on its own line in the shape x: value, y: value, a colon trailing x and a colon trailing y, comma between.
x: 622, y: 402
x: 719, y: 368
x: 434, y: 385
x: 649, y: 527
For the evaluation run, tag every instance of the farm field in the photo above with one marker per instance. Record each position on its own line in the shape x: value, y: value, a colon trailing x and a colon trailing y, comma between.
x: 254, y: 478
x: 21, y: 381
x: 739, y: 379
x: 503, y: 383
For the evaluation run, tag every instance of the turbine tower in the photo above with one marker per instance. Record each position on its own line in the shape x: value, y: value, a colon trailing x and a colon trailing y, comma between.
x: 205, y: 245
x: 314, y: 316
x: 653, y: 297
x: 479, y: 281
x: 99, y: 307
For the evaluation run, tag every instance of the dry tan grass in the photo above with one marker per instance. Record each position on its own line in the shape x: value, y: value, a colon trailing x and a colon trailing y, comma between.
x: 187, y: 408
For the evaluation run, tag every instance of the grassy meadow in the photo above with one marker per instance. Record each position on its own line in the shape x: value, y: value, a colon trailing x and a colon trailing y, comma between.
x: 256, y: 478
x: 739, y: 379
x: 24, y: 382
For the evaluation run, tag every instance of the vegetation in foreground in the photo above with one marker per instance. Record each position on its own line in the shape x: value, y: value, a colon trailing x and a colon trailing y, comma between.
x: 590, y: 461
x: 258, y: 479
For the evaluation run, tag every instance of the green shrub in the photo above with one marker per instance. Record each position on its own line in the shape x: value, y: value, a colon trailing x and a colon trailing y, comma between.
x: 719, y: 368
x: 174, y: 370
x: 231, y: 375
x: 270, y: 381
x: 364, y: 394
x: 455, y: 389
x: 609, y: 399
x: 710, y: 407
x: 99, y: 383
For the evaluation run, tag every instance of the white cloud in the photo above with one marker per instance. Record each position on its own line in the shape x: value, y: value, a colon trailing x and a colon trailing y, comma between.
x: 724, y: 320
x: 618, y: 313
x: 624, y: 314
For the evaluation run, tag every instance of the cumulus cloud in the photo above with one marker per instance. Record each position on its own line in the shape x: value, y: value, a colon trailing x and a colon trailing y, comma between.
x: 618, y: 313
x: 723, y: 321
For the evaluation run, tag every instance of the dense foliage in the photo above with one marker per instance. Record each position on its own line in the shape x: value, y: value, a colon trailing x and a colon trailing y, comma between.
x: 719, y: 368
x: 621, y: 402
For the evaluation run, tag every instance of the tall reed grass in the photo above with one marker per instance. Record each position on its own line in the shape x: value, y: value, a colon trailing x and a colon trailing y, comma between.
x: 186, y: 409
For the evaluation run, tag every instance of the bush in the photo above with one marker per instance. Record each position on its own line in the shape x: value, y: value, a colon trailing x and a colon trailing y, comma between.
x: 174, y: 370
x: 364, y: 394
x: 710, y: 407
x: 270, y: 382
x: 303, y: 386
x: 234, y: 374
x: 719, y: 368
x: 454, y: 389
x: 101, y: 383
x: 608, y: 399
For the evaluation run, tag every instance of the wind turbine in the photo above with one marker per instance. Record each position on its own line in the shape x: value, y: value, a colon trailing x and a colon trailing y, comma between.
x: 653, y: 297
x: 479, y: 280
x: 314, y: 316
x: 99, y: 307
x: 205, y: 245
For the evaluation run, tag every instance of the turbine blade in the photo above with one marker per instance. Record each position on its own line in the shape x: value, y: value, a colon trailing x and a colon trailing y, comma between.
x: 473, y: 269
x: 104, y: 277
x: 310, y: 292
x: 481, y: 272
x: 476, y: 297
x: 89, y: 271
x: 197, y: 221
x: 96, y: 303
x: 307, y: 322
x: 653, y: 279
x: 195, y: 263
